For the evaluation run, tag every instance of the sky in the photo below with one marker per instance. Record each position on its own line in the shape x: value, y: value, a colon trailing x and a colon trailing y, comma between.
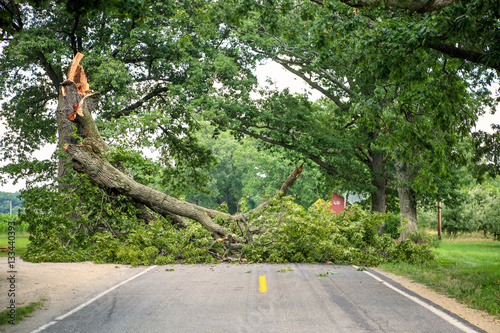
x: 282, y: 79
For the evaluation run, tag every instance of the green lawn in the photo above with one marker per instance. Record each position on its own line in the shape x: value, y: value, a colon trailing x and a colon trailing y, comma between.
x: 466, y: 270
x: 21, y: 242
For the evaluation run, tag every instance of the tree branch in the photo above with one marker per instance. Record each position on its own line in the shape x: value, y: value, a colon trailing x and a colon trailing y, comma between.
x: 14, y: 11
x: 72, y: 36
x: 129, y: 109
x: 312, y: 157
x: 419, y: 6
x: 455, y: 52
x: 53, y: 75
x: 313, y: 84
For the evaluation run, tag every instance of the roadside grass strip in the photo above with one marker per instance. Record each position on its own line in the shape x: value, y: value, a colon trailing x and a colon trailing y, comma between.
x: 466, y: 270
x: 21, y: 313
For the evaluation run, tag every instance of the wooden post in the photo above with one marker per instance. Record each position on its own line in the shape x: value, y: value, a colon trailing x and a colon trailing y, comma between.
x: 439, y: 220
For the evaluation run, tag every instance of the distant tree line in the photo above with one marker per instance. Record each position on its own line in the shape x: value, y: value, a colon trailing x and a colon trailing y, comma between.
x: 479, y: 210
x: 5, y: 198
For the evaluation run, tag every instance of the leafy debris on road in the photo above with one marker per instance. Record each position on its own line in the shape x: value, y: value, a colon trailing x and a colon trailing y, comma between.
x: 283, y: 270
x: 327, y: 273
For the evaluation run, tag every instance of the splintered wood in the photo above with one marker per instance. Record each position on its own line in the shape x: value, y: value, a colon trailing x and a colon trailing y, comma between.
x: 77, y: 75
x: 77, y: 110
x: 299, y: 170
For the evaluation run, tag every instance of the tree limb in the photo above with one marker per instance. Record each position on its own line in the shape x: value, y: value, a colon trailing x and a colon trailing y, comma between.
x: 418, y: 6
x: 314, y: 158
x: 313, y: 84
x: 129, y: 109
x: 53, y: 75
x: 456, y: 52
x: 14, y: 11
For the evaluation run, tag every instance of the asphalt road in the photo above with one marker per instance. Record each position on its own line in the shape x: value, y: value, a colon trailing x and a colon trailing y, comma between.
x: 257, y: 298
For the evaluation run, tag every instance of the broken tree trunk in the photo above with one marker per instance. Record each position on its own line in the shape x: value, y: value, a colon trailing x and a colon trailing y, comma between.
x: 68, y: 99
x: 75, y: 99
x: 87, y: 157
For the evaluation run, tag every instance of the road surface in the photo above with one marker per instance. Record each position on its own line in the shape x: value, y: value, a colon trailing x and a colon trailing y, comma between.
x: 256, y: 298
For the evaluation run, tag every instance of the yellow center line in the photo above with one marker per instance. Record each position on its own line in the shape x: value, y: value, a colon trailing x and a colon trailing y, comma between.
x: 263, y: 285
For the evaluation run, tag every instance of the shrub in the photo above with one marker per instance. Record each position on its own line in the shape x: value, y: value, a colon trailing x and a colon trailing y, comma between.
x: 317, y: 235
x: 392, y: 224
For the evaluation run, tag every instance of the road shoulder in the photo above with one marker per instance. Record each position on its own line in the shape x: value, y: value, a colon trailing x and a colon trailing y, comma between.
x: 60, y: 286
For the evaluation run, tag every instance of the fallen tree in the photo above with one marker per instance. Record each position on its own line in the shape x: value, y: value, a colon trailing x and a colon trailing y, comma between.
x: 89, y: 157
x: 94, y: 217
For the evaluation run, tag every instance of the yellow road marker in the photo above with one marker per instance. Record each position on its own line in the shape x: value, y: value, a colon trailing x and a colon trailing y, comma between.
x: 263, y: 285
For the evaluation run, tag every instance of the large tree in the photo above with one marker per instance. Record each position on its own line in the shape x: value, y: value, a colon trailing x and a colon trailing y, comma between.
x: 396, y: 112
x: 150, y: 61
x: 90, y: 155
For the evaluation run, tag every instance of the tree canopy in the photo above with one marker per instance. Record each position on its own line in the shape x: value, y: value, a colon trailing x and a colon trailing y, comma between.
x: 402, y: 88
x: 149, y: 67
x: 400, y: 121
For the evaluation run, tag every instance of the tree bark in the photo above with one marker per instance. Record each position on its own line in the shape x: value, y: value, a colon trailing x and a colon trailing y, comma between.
x: 71, y: 95
x: 380, y: 183
x: 407, y: 202
x: 68, y: 96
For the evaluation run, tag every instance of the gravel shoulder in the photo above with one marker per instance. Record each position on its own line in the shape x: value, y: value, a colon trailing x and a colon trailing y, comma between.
x: 62, y: 286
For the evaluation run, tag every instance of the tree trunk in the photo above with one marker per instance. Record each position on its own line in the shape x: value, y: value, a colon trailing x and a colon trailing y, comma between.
x: 71, y: 94
x: 75, y: 100
x: 68, y: 96
x: 380, y: 183
x: 407, y: 203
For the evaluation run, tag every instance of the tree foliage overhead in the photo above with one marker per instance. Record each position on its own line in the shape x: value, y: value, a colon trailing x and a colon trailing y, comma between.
x: 467, y: 30
x: 385, y: 110
x: 150, y: 61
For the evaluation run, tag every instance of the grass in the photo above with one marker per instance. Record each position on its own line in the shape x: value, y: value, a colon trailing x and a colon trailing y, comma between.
x: 466, y: 270
x: 469, y: 236
x: 21, y: 242
x: 21, y: 313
